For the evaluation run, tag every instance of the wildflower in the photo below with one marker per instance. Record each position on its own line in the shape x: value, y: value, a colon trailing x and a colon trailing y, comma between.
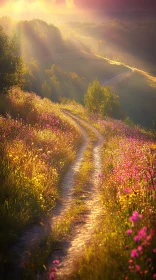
x: 56, y: 262
x: 135, y: 216
x: 137, y: 238
x: 51, y: 275
x: 134, y: 253
x: 154, y: 250
x: 127, y: 190
x: 154, y: 276
x: 139, y: 248
x: 142, y: 232
x: 129, y: 232
x: 137, y: 267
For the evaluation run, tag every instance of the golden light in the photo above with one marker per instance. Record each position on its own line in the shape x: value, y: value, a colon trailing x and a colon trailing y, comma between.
x: 70, y: 4
x: 24, y: 9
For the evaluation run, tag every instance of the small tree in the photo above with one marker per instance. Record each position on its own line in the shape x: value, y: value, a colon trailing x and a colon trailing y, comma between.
x: 102, y: 101
x: 94, y: 97
x: 11, y: 65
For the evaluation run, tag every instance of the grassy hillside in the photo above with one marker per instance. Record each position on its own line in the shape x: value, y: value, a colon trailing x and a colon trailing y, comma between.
x: 125, y: 238
x: 138, y: 98
x: 129, y: 38
x: 55, y: 67
x: 37, y: 145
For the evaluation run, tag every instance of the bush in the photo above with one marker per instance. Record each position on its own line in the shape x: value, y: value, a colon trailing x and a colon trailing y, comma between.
x: 102, y: 101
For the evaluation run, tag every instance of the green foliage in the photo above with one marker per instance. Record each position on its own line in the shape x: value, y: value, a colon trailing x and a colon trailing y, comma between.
x: 129, y: 122
x: 11, y: 65
x: 102, y: 101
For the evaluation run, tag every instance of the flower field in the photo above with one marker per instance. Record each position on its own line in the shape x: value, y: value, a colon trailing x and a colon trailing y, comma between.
x: 37, y: 145
x: 124, y: 245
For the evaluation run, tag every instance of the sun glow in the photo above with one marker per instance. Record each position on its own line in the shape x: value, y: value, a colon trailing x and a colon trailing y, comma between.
x: 24, y: 9
x: 70, y: 3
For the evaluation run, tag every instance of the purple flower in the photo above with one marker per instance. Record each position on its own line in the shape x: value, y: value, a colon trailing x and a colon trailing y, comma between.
x: 134, y: 253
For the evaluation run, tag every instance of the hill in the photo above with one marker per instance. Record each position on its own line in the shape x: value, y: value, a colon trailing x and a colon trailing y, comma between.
x: 57, y: 66
x: 62, y: 183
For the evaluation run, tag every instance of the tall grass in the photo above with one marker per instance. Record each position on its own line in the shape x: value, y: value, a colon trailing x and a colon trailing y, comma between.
x: 37, y: 144
x: 124, y: 245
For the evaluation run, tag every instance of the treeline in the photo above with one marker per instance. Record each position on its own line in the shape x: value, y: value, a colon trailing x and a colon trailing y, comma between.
x: 30, y: 54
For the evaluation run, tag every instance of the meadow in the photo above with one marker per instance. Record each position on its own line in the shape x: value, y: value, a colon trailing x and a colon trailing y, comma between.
x: 37, y: 145
x: 126, y: 238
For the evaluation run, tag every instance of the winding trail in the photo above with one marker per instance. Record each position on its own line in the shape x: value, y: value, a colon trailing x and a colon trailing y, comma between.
x: 74, y: 247
x: 38, y: 232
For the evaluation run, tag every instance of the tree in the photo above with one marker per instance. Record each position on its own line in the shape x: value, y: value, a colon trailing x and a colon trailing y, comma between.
x: 46, y: 90
x: 11, y: 65
x: 102, y: 101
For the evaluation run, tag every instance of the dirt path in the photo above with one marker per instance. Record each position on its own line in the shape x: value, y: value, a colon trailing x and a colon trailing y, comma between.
x: 72, y: 249
x: 82, y: 232
x: 36, y: 233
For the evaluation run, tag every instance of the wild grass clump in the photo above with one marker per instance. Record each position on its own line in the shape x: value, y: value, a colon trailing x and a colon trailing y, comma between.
x: 37, y: 144
x: 124, y: 245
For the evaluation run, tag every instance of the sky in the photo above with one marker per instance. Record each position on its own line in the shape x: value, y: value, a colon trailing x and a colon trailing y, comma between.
x: 26, y: 9
x: 89, y: 4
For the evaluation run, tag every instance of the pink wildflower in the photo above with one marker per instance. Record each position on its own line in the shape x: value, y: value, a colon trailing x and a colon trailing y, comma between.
x: 129, y: 231
x: 127, y: 190
x: 137, y: 267
x: 51, y: 275
x: 139, y: 248
x: 154, y: 276
x: 56, y: 262
x: 154, y: 250
x: 142, y: 232
x: 137, y: 238
x: 135, y: 216
x: 134, y: 253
